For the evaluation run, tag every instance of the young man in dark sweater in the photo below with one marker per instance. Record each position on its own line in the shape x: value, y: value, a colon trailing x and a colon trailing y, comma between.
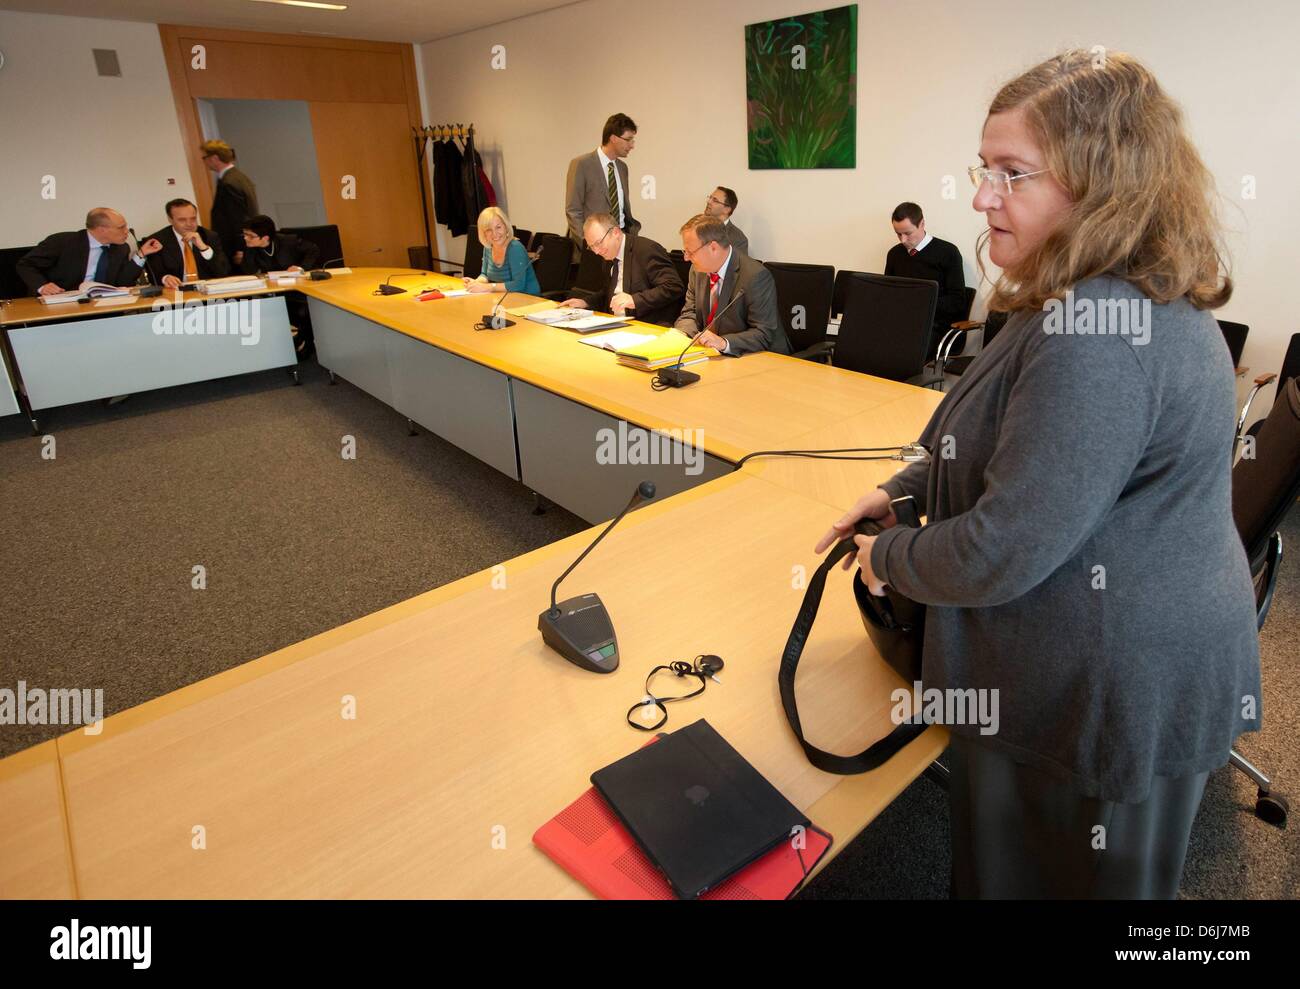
x: 919, y: 255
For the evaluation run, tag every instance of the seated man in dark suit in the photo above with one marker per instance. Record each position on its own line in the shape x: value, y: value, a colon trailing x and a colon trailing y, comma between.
x: 720, y: 273
x: 189, y: 252
x: 919, y: 255
x: 63, y: 261
x: 639, y: 277
x: 266, y: 249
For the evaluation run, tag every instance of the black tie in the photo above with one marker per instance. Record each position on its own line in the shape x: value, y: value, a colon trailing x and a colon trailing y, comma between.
x: 613, y: 277
x: 101, y: 268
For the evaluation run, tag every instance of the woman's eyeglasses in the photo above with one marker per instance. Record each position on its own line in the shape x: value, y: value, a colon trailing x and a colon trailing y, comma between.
x: 1001, y: 181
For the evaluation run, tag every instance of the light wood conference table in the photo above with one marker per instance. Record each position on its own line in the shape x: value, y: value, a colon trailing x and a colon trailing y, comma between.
x: 469, y: 733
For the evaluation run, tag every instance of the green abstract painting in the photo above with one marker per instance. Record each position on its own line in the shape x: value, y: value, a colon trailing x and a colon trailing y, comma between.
x: 801, y: 86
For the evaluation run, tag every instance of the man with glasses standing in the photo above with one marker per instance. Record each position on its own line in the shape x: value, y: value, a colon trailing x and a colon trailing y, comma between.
x: 598, y: 181
x: 921, y: 255
x: 720, y: 204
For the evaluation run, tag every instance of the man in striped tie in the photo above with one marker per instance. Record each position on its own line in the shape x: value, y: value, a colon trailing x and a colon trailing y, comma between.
x: 598, y: 181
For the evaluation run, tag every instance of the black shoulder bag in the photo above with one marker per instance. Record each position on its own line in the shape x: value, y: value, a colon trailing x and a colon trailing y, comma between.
x: 894, y: 623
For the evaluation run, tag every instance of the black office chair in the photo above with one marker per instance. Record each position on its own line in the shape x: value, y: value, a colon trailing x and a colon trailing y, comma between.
x: 327, y: 241
x: 886, y: 325
x: 1264, y: 489
x: 589, y: 277
x: 552, y: 265
x: 842, y: 278
x: 683, y: 269
x: 803, y: 301
x: 524, y: 237
x: 11, y: 286
x: 1290, y: 369
x: 1234, y: 335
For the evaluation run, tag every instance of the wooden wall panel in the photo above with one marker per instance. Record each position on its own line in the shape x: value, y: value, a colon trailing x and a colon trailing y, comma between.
x: 239, y: 70
x: 364, y: 99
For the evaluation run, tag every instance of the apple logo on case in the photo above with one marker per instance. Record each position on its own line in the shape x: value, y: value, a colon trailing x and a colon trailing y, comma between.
x: 697, y: 795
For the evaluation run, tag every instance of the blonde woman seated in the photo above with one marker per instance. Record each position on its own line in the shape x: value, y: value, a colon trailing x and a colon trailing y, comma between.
x: 506, y: 267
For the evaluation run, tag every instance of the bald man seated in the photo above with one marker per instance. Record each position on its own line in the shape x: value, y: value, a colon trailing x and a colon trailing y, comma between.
x: 63, y: 261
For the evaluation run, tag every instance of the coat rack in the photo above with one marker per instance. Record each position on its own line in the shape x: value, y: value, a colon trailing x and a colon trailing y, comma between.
x: 422, y: 136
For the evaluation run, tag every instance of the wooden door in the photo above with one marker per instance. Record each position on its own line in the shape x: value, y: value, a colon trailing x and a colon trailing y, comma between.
x: 365, y: 150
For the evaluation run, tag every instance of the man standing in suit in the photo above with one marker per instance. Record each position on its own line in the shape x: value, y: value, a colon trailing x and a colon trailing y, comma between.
x: 598, y: 180
x: 720, y: 205
x: 639, y: 277
x: 234, y: 200
x: 721, y: 273
x: 62, y: 261
x: 920, y: 255
x: 189, y: 252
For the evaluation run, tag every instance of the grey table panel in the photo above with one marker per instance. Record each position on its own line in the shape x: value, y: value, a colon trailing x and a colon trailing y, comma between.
x: 86, y: 359
x: 562, y: 445
x: 465, y: 403
x: 354, y: 348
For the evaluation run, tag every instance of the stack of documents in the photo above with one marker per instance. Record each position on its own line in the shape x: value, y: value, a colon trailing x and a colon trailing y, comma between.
x: 663, y: 351
x: 232, y: 283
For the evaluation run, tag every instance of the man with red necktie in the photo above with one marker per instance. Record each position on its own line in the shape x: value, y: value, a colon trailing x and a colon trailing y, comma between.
x: 722, y: 275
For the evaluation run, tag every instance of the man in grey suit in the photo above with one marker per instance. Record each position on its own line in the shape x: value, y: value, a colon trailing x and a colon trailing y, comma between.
x: 720, y: 205
x: 598, y: 181
x: 233, y: 201
x: 720, y: 275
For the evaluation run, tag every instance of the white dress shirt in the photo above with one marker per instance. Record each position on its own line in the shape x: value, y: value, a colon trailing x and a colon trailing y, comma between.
x: 93, y: 256
x: 921, y: 246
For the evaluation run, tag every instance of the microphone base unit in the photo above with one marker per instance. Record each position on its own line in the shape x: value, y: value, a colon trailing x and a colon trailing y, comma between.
x: 675, y: 377
x: 580, y: 630
x: 320, y: 275
x: 386, y: 289
x: 150, y: 291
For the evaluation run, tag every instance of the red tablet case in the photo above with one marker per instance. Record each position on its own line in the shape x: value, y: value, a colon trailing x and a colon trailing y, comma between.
x: 590, y: 843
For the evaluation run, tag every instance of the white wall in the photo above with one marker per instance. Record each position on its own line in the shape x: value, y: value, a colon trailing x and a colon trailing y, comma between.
x: 273, y: 139
x: 926, y: 73
x: 106, y: 141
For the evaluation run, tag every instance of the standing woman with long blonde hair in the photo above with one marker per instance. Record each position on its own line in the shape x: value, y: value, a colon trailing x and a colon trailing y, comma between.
x: 1079, y: 555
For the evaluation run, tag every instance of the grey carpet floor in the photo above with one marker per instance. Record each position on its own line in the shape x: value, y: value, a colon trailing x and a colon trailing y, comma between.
x: 244, y: 477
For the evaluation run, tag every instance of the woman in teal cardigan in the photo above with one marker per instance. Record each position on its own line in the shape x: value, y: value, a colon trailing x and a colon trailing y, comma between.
x: 506, y: 266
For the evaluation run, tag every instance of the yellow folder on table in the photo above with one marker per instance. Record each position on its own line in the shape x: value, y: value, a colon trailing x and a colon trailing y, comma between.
x: 665, y: 347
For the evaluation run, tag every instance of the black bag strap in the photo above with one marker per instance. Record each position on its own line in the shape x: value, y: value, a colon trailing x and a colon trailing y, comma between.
x: 842, y: 765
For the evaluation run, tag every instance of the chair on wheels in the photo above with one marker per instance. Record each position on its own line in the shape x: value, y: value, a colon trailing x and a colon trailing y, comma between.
x: 554, y: 253
x: 886, y: 325
x: 803, y: 301
x: 1264, y: 489
x: 1290, y: 369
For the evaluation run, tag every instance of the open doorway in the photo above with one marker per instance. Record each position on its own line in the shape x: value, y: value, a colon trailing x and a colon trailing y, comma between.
x: 275, y: 147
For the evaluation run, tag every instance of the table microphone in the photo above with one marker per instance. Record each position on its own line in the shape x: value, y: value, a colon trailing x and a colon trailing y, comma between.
x: 579, y: 629
x: 320, y: 274
x: 387, y: 289
x: 674, y: 376
x: 494, y: 320
x: 153, y: 289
